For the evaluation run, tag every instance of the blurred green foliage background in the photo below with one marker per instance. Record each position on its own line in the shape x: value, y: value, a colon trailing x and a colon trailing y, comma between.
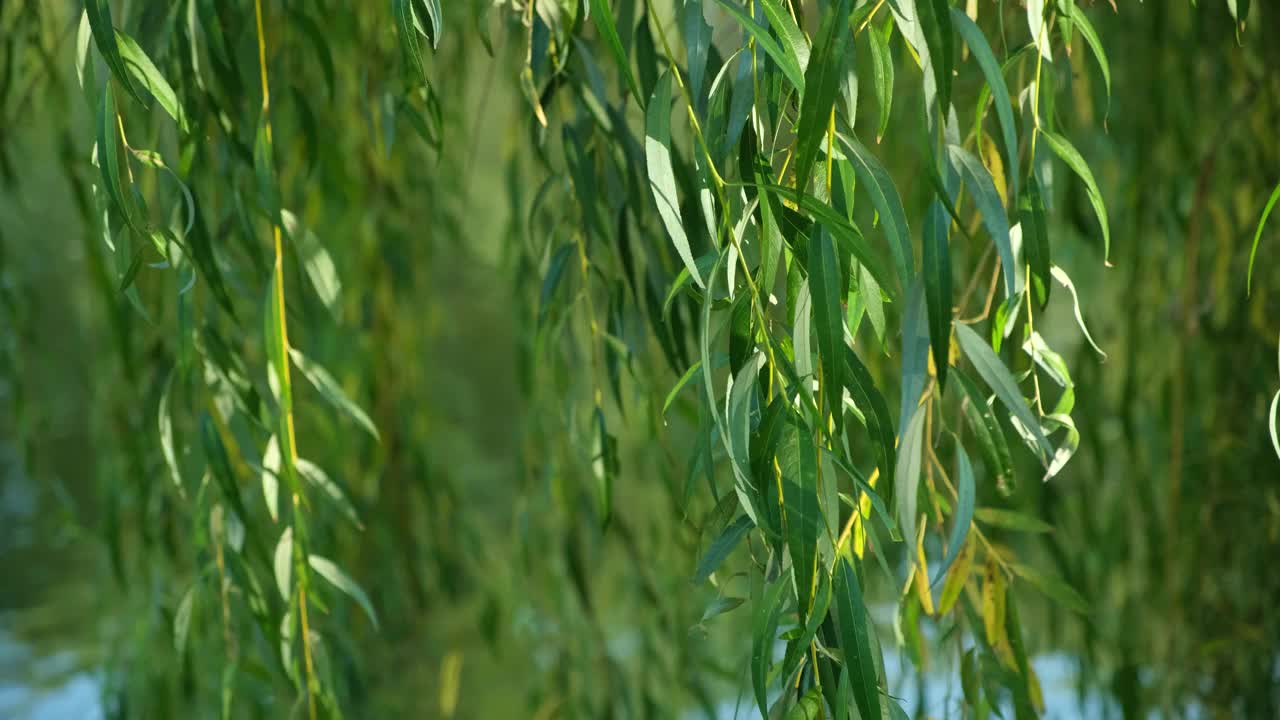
x: 498, y: 595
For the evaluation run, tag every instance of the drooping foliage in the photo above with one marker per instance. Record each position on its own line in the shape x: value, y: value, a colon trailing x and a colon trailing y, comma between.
x: 781, y: 276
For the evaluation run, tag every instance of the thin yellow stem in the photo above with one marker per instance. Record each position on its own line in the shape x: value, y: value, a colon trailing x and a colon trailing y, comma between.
x: 286, y: 409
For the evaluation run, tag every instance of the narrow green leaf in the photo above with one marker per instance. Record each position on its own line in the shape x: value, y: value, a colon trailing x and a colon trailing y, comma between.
x: 991, y: 439
x: 1065, y: 150
x: 977, y: 43
x: 993, y: 214
x: 828, y: 315
x: 1257, y: 235
x: 937, y: 286
x: 935, y: 21
x: 316, y: 261
x: 166, y: 433
x: 148, y: 75
x: 794, y: 42
x: 602, y: 16
x: 854, y: 639
x: 282, y: 562
x: 1091, y: 38
x: 332, y: 391
x: 1011, y: 520
x: 270, y: 478
x: 884, y: 195
x: 907, y: 473
x: 997, y: 376
x: 316, y: 475
x: 1057, y: 589
x: 104, y: 36
x: 797, y: 459
x: 787, y: 62
x: 763, y: 634
x: 326, y: 569
x: 965, y: 494
x: 109, y: 157
x: 875, y: 414
x: 1275, y: 423
x: 1035, y: 240
x: 882, y: 73
x: 822, y: 83
x: 551, y: 280
x: 662, y: 182
x: 915, y: 354
x: 721, y: 547
x: 1039, y: 29
x: 1061, y: 276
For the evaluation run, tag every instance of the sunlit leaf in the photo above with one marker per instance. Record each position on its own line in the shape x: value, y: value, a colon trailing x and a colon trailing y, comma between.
x: 326, y: 569
x: 332, y: 391
x: 662, y: 182
x: 1257, y: 235
x: 999, y: 379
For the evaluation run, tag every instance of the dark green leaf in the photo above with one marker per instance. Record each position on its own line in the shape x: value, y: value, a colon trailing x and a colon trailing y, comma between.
x: 822, y: 83
x: 977, y: 43
x: 937, y: 286
x: 828, y: 315
x: 104, y: 36
x: 721, y: 547
x: 1035, y: 240
x: 963, y: 516
x: 884, y: 195
x: 1065, y: 150
x: 882, y: 72
x: 854, y: 639
x: 602, y: 16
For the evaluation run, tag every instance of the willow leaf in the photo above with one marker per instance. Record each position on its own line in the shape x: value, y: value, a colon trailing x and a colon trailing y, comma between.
x: 662, y: 181
x: 148, y: 75
x: 822, y: 83
x: 994, y: 218
x: 794, y: 42
x: 965, y: 494
x: 797, y: 459
x: 937, y: 286
x: 1257, y: 235
x: 104, y: 36
x: 935, y: 21
x: 332, y: 391
x: 721, y: 547
x: 602, y: 16
x: 882, y: 73
x: 328, y: 570
x: 875, y: 414
x: 997, y: 376
x: 907, y: 473
x: 855, y: 639
x: 1065, y: 280
x: 885, y: 198
x: 1039, y: 30
x: 1035, y: 240
x: 828, y: 315
x: 763, y: 635
x: 1090, y: 36
x: 787, y: 62
x: 977, y: 43
x: 1065, y: 150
